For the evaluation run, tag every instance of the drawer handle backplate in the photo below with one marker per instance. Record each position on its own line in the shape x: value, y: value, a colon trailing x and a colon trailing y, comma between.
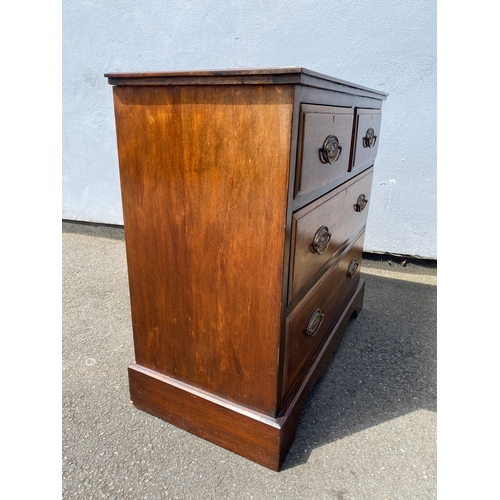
x: 369, y: 139
x: 314, y: 323
x: 361, y: 203
x: 331, y: 150
x: 321, y: 240
x: 353, y: 267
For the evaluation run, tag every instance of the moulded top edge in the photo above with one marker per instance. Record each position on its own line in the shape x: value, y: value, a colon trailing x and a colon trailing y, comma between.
x: 210, y: 72
x: 277, y: 75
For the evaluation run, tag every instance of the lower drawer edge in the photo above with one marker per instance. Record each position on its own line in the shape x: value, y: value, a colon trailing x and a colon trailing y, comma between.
x: 323, y: 357
x: 310, y: 322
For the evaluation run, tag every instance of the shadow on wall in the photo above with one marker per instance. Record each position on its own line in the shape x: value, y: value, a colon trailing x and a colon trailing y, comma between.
x: 385, y: 367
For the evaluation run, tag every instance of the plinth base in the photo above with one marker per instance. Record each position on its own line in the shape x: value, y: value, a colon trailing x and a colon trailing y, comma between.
x: 257, y: 437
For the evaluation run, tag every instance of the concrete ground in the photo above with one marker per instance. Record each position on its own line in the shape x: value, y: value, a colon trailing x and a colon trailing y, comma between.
x: 367, y: 432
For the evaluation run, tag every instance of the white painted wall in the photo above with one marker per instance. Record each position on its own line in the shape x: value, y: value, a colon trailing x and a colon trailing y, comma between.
x: 388, y: 45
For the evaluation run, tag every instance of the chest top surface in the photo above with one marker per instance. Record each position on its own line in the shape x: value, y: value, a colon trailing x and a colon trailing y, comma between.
x: 246, y: 76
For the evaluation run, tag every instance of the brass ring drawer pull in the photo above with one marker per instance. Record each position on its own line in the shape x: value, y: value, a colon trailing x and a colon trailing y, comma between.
x: 331, y: 150
x: 353, y: 267
x: 361, y: 203
x: 321, y: 240
x: 314, y: 323
x: 369, y: 139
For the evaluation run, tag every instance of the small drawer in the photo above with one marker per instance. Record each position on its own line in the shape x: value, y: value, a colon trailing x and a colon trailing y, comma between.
x: 321, y: 229
x: 366, y: 138
x: 308, y: 324
x: 324, y: 146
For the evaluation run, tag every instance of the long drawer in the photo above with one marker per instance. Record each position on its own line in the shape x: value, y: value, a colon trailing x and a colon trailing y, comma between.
x: 308, y: 324
x: 321, y: 230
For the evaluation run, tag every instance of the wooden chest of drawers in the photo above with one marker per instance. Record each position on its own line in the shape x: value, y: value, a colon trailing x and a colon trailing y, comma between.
x: 245, y: 196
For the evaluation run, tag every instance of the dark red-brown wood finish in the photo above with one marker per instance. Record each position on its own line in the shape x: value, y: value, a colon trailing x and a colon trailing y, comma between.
x: 195, y: 162
x: 337, y: 213
x: 239, y: 296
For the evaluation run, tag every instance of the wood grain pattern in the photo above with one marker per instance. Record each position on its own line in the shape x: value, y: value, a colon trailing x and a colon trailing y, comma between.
x: 205, y: 278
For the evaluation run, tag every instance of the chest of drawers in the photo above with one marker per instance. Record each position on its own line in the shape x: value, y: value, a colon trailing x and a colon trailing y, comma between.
x: 245, y: 195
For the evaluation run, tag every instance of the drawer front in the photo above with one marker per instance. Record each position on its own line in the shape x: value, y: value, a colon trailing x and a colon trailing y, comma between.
x: 307, y: 326
x: 321, y: 229
x: 366, y: 137
x: 324, y: 146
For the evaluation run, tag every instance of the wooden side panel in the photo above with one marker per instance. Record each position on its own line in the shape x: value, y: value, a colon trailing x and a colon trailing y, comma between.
x: 204, y: 176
